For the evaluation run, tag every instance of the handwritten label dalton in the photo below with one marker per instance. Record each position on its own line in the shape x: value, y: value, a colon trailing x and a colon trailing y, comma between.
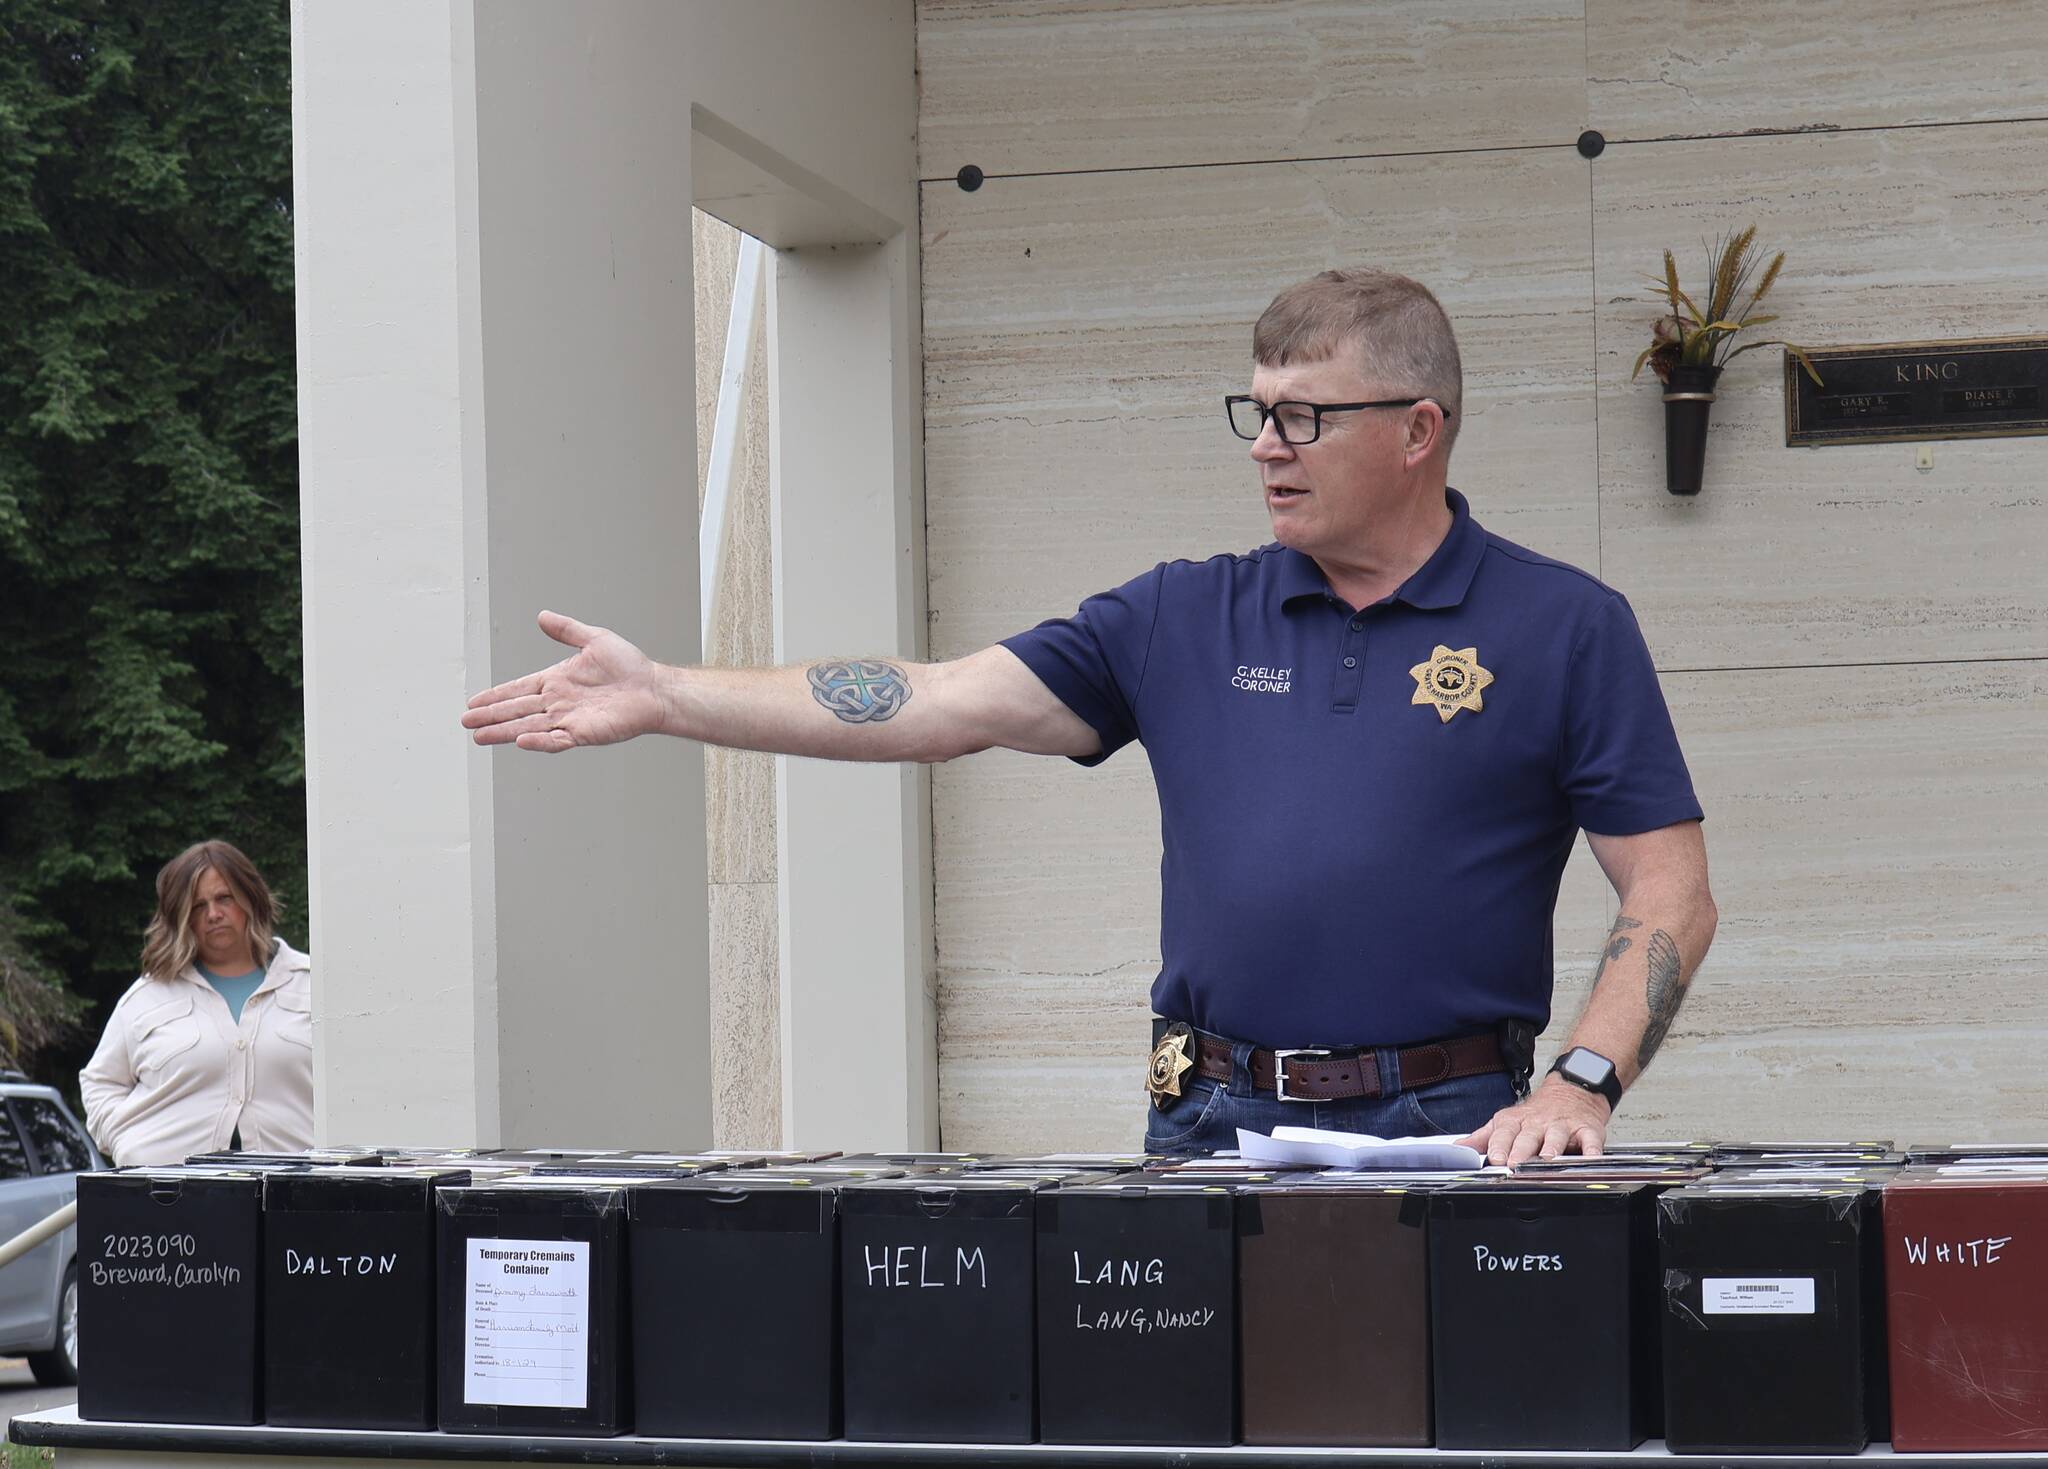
x: 345, y: 1265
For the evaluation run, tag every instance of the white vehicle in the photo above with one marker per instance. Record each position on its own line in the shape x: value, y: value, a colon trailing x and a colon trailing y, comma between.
x: 42, y: 1151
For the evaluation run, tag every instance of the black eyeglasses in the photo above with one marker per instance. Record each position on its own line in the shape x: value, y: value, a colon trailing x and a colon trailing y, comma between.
x: 1299, y: 423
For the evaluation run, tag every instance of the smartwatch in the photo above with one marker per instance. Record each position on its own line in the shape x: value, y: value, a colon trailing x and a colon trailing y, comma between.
x: 1591, y: 1071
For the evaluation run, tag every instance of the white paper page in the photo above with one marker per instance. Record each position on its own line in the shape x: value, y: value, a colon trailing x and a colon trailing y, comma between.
x: 527, y: 1323
x: 1355, y: 1150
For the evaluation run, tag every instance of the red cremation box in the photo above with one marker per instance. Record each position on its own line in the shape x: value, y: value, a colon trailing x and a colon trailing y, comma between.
x: 1966, y: 1272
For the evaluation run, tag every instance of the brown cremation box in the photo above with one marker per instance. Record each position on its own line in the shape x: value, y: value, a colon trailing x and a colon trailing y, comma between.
x: 1966, y: 1269
x: 1333, y: 1312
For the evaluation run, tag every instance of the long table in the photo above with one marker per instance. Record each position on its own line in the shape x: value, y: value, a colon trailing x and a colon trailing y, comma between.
x: 96, y: 1445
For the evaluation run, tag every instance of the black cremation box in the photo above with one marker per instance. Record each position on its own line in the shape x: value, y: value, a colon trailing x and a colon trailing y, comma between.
x: 348, y: 1297
x: 1765, y: 1333
x: 170, y: 1265
x: 1869, y: 1181
x: 1542, y: 1300
x: 936, y: 1291
x: 736, y: 1307
x: 1137, y: 1313
x: 531, y: 1329
x: 311, y: 1158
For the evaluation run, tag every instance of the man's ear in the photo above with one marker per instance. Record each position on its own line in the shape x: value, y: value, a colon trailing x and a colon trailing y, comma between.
x: 1425, y: 431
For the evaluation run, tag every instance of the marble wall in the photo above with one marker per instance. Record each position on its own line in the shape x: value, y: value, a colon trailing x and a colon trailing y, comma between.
x: 1853, y: 646
x: 739, y: 785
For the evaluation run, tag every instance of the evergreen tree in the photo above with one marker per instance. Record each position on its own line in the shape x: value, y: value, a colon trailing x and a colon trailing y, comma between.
x: 149, y: 549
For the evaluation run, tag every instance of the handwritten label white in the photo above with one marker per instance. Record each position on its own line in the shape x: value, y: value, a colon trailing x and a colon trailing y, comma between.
x: 1971, y: 1252
x: 1750, y: 1296
x: 527, y: 1323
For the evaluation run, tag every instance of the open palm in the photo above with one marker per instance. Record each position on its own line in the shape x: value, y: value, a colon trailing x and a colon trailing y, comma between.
x: 602, y: 694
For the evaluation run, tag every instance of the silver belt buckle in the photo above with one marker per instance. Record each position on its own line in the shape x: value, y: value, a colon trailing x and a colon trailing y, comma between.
x: 1280, y: 1070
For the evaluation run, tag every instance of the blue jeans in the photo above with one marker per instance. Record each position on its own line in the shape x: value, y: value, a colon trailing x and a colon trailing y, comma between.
x: 1205, y: 1117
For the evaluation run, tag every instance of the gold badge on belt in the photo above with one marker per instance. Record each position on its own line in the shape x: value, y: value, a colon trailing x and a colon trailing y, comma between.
x: 1170, y: 1059
x: 1450, y: 681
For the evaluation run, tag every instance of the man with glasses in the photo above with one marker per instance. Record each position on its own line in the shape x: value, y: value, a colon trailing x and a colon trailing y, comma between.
x: 1426, y: 714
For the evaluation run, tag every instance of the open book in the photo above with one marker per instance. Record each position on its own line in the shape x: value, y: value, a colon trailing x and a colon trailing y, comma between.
x: 1299, y: 1145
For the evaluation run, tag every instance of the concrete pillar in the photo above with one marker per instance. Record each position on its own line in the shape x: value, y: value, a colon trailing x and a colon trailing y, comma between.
x: 495, y: 359
x: 858, y: 1009
x: 495, y: 376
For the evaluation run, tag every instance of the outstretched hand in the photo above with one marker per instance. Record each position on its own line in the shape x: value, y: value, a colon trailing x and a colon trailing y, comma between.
x: 1558, y: 1118
x: 602, y: 694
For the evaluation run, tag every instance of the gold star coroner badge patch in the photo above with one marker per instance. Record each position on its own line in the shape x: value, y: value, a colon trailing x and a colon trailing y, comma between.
x: 1169, y: 1059
x: 1450, y: 681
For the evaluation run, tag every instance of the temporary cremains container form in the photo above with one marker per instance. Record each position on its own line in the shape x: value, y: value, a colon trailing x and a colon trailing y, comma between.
x: 531, y: 1328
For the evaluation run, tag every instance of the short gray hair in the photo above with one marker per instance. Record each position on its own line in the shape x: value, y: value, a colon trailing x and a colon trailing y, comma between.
x: 1402, y: 333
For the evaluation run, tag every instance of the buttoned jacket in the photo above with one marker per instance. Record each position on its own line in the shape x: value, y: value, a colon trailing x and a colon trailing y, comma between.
x: 176, y: 1074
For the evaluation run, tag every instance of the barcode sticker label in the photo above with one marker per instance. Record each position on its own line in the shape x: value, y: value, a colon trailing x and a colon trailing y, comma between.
x: 1738, y: 1296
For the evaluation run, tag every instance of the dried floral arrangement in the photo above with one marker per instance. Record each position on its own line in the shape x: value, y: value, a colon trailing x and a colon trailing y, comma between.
x: 1690, y: 337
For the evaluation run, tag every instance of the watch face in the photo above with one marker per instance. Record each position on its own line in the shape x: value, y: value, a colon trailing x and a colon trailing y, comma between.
x: 1584, y: 1067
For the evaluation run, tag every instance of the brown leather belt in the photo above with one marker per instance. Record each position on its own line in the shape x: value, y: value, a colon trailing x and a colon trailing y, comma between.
x: 1310, y: 1074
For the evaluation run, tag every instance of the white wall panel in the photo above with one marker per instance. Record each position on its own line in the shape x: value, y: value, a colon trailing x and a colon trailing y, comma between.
x: 1080, y: 333
x: 1032, y: 86
x: 1843, y: 554
x: 1737, y: 66
x: 1879, y: 840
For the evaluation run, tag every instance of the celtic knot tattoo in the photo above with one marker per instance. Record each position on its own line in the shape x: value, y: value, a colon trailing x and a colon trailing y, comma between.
x: 860, y: 690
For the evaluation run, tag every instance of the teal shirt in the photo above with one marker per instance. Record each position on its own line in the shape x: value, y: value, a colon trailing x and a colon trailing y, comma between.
x: 234, y: 988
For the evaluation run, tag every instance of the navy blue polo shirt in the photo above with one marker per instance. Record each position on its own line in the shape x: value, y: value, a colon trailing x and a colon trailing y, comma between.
x: 1366, y: 812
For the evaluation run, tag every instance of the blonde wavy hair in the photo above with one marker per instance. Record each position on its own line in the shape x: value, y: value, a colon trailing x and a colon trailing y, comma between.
x: 172, y: 940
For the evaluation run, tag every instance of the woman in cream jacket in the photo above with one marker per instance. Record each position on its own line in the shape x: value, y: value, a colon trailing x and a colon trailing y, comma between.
x: 213, y: 1046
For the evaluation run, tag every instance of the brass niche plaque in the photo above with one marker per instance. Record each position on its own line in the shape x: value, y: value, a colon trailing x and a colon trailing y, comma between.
x: 1895, y: 392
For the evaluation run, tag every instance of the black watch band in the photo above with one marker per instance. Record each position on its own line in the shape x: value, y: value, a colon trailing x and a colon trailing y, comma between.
x: 1590, y: 1071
